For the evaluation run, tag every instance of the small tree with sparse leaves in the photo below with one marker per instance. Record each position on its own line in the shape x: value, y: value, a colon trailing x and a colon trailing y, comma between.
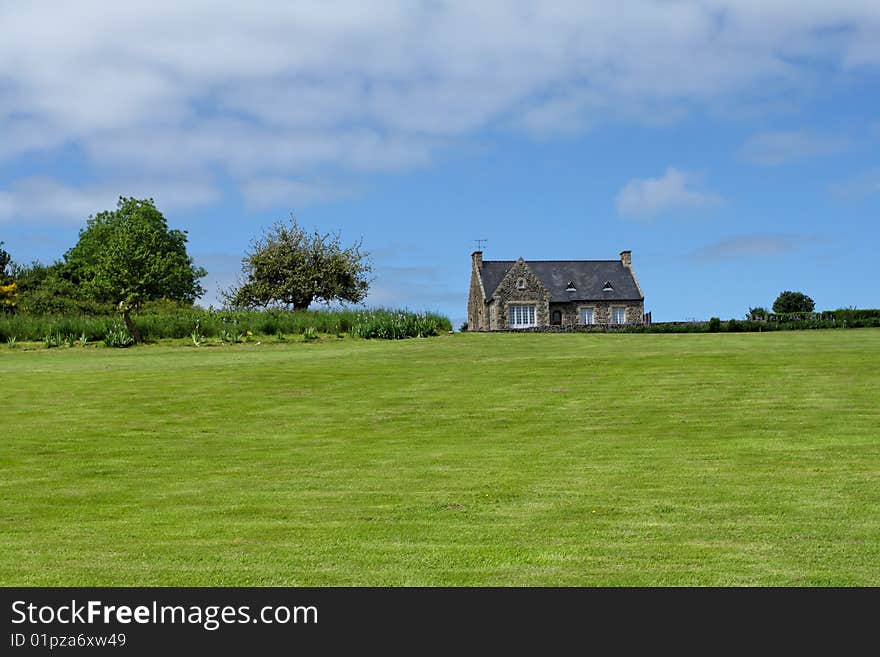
x: 290, y: 268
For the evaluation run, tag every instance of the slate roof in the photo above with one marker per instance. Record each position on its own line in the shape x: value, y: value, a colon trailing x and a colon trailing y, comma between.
x: 589, y: 278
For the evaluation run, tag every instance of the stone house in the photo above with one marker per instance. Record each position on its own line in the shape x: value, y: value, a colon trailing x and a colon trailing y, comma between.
x: 507, y: 294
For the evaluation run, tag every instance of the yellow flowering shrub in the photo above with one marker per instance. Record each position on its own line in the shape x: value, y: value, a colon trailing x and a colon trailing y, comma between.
x: 8, y: 295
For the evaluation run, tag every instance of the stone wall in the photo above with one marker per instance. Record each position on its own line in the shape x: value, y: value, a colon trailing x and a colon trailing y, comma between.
x: 635, y: 314
x: 571, y: 311
x: 594, y: 328
x: 477, y: 314
x: 508, y: 293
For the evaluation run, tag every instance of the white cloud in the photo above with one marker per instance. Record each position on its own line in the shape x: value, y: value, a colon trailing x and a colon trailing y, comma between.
x: 774, y: 148
x: 675, y: 190
x: 245, y: 150
x: 417, y: 288
x: 46, y: 199
x: 559, y: 114
x: 865, y: 184
x: 274, y: 192
x: 752, y: 246
x: 277, y: 90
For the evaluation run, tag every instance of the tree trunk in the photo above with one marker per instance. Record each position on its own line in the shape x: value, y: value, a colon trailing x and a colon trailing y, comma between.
x: 303, y: 302
x: 130, y: 325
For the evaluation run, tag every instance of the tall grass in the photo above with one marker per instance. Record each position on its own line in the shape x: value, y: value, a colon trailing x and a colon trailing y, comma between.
x: 376, y: 323
x: 38, y: 327
x: 396, y: 324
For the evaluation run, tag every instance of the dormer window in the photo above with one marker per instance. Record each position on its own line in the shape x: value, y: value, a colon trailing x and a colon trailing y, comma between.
x: 608, y: 287
x: 570, y: 287
x: 520, y: 284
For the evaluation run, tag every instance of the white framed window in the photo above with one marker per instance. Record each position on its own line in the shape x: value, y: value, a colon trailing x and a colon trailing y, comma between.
x: 588, y: 316
x: 522, y: 315
x: 520, y: 284
x: 618, y: 315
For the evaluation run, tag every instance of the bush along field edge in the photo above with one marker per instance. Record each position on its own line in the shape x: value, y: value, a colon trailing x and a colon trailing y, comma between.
x: 202, y: 326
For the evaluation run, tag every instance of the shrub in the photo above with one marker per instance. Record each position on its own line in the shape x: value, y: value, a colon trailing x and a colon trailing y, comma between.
x: 714, y: 324
x: 463, y: 328
x: 757, y: 314
x: 865, y: 323
x: 44, y: 290
x: 59, y: 340
x: 733, y: 326
x: 850, y: 315
x: 118, y: 337
x: 231, y: 334
x: 8, y: 297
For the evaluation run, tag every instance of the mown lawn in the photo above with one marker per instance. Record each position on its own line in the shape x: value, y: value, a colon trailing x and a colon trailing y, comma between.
x: 714, y: 459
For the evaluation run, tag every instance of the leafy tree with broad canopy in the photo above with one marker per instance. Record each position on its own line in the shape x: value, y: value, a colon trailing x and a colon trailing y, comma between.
x: 290, y: 268
x: 793, y: 302
x: 129, y: 255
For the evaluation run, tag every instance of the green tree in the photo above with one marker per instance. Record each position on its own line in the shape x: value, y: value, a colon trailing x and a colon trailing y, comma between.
x: 129, y: 256
x: 793, y: 302
x: 291, y: 268
x: 8, y: 288
x: 49, y: 290
x: 5, y: 265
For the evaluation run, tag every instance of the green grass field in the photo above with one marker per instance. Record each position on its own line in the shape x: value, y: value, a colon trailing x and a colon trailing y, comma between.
x: 588, y: 459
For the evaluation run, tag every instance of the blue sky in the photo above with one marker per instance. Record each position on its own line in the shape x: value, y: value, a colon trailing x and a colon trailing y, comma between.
x: 732, y: 146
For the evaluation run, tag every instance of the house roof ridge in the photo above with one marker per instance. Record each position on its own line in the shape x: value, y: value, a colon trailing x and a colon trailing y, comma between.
x: 597, y: 260
x: 525, y: 260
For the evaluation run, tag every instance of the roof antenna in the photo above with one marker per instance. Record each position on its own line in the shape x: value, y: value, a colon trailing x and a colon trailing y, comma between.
x: 481, y: 244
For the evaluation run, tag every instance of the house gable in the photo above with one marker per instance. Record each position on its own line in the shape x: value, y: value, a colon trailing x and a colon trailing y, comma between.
x: 520, y: 285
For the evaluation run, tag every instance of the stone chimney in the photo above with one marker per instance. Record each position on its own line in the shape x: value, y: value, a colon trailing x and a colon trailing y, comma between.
x: 477, y: 259
x: 626, y: 257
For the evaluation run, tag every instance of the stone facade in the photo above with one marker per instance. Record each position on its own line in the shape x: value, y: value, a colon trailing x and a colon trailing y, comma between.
x: 602, y: 311
x: 478, y: 312
x: 520, y: 285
